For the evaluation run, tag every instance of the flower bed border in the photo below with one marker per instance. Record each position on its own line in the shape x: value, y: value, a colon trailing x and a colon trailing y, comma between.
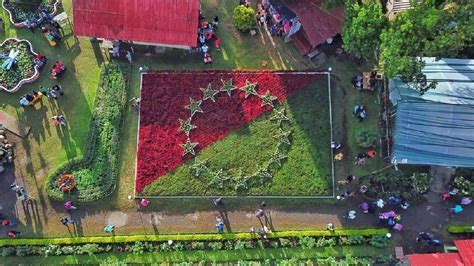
x: 25, y: 80
x: 23, y: 23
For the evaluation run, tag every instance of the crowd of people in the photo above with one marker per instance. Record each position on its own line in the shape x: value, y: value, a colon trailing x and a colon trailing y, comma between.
x: 31, y: 99
x: 120, y: 47
x: 207, y: 35
x: 58, y: 70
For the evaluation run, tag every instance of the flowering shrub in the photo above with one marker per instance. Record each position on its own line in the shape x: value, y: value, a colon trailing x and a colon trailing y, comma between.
x: 164, y: 95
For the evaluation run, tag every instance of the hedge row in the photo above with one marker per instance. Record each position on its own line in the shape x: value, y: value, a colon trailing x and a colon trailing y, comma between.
x: 138, y: 247
x: 461, y: 229
x: 183, y: 237
x: 95, y: 173
x: 202, y: 257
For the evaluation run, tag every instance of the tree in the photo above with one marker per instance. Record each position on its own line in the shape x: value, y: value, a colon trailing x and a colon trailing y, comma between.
x: 363, y: 24
x: 425, y: 30
x: 244, y: 17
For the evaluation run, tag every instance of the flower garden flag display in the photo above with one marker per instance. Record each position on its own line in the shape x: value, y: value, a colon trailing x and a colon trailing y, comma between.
x: 183, y: 112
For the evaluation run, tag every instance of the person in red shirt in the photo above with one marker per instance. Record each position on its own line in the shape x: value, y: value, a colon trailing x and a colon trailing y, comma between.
x: 218, y: 43
x: 13, y: 233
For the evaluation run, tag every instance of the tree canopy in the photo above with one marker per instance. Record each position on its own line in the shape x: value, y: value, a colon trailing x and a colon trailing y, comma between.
x: 363, y: 24
x: 425, y: 30
x: 430, y: 28
x: 244, y: 17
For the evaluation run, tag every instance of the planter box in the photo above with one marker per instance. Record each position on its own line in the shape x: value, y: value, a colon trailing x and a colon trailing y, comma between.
x: 21, y: 24
x: 28, y: 79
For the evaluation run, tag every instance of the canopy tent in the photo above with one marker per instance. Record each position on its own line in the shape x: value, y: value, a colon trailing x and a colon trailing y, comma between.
x: 436, y: 128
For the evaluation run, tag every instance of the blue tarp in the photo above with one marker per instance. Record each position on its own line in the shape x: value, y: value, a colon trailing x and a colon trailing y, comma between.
x: 436, y: 128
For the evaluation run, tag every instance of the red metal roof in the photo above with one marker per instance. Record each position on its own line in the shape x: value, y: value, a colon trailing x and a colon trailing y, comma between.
x: 173, y: 22
x: 318, y: 23
x: 466, y: 250
x: 435, y: 259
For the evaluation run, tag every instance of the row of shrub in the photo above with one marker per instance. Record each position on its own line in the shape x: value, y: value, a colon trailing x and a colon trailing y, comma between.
x: 461, y: 229
x: 347, y: 260
x: 138, y: 247
x: 184, y: 237
x: 95, y: 173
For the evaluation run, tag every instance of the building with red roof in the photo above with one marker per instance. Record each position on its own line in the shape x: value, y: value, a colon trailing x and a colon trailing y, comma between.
x: 464, y: 256
x: 317, y: 24
x: 312, y: 24
x: 170, y: 23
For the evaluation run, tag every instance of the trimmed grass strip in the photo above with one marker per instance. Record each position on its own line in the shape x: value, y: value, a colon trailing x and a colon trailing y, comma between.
x: 182, y: 237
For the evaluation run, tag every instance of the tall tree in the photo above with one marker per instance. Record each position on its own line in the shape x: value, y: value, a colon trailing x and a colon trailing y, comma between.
x: 363, y: 24
x: 425, y: 30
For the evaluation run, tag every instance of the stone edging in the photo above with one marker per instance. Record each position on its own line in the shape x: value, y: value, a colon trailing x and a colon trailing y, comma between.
x: 25, y: 80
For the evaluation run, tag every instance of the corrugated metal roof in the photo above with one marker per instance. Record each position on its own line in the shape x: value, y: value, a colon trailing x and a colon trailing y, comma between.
x: 429, y: 133
x: 318, y: 23
x: 466, y: 250
x: 435, y: 259
x: 455, y: 79
x: 172, y: 22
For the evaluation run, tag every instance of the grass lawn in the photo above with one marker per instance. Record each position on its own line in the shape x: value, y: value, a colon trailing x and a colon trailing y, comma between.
x: 306, y: 171
x: 198, y: 256
x: 47, y: 147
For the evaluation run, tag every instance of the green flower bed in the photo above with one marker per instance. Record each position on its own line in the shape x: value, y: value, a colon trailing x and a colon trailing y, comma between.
x: 95, y: 173
x: 22, y: 69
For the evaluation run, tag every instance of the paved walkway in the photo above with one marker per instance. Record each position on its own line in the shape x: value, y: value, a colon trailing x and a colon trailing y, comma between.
x: 35, y: 220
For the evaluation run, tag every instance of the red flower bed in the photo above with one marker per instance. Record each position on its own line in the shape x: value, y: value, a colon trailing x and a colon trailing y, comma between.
x: 164, y: 95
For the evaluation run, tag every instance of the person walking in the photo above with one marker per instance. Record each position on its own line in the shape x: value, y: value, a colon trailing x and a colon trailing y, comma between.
x: 68, y: 205
x: 129, y: 56
x: 330, y: 227
x: 13, y: 233
x: 466, y: 201
x: 262, y: 20
x: 66, y: 221
x: 351, y: 215
x: 347, y: 180
x: 109, y: 228
x: 217, y: 43
x: 144, y: 202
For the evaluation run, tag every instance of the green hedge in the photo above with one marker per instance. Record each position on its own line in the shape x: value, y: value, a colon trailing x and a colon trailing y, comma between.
x: 95, y: 173
x: 199, y: 256
x: 461, y: 229
x: 182, y: 237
